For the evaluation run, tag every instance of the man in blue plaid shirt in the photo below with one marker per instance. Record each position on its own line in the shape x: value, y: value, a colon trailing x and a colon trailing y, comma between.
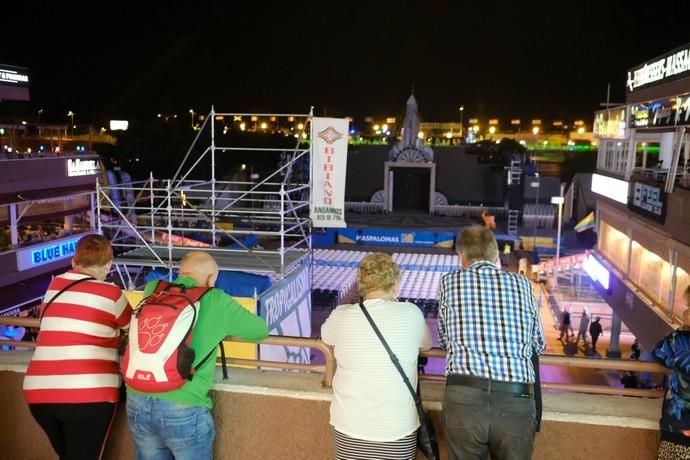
x: 489, y: 326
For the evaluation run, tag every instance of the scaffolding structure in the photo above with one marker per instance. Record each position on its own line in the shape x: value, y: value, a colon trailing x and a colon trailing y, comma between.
x: 154, y: 222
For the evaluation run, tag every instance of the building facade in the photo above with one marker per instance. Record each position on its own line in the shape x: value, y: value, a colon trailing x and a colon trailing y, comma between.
x: 642, y: 187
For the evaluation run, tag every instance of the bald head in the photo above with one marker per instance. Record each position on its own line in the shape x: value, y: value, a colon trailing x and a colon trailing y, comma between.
x: 201, y: 267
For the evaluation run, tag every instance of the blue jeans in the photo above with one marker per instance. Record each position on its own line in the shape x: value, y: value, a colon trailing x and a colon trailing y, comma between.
x: 163, y: 430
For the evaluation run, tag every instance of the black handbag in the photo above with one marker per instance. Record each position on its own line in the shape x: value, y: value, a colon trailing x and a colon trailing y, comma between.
x: 427, y: 441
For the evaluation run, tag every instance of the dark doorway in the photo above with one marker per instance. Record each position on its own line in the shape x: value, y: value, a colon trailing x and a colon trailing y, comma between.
x: 411, y: 189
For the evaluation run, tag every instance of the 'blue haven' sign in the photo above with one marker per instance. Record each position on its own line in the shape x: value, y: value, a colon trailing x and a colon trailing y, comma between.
x: 45, y: 253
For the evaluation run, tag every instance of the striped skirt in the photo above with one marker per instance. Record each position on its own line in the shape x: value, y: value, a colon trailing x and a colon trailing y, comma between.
x: 348, y: 448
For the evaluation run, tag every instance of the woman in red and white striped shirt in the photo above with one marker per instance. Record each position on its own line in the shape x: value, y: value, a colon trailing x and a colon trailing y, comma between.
x: 73, y: 380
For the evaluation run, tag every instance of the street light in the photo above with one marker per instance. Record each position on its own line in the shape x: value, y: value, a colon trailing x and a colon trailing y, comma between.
x: 71, y: 115
x: 536, y: 212
x: 535, y: 130
x: 40, y: 111
x: 462, y: 111
x: 191, y: 112
x: 559, y: 200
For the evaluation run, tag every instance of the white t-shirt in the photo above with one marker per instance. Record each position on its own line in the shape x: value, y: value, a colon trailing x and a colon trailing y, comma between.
x: 370, y: 399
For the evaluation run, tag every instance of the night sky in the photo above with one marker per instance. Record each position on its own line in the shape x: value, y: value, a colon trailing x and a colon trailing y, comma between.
x: 504, y: 59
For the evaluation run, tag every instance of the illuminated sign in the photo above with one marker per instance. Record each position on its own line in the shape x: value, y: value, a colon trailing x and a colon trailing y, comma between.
x: 78, y: 167
x: 649, y: 201
x: 668, y: 112
x: 610, y: 124
x: 536, y: 121
x: 515, y: 121
x: 670, y: 66
x: 14, y: 75
x: 14, y: 83
x: 614, y: 189
x: 46, y: 253
x: 120, y: 125
x: 493, y: 121
x: 596, y: 271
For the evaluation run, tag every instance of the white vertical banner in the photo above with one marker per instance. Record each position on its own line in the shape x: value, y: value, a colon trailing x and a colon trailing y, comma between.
x: 329, y: 164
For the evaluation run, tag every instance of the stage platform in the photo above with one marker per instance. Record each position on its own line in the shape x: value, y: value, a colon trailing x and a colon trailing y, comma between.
x: 248, y: 261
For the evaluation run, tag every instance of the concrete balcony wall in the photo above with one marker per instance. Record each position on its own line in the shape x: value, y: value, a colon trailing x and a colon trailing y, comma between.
x: 281, y: 415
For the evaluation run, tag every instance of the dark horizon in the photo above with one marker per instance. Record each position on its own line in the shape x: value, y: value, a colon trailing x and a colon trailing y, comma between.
x: 547, y: 61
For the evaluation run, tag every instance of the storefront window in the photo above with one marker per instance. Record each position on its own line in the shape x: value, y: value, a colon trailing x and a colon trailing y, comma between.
x: 615, y: 156
x: 635, y: 262
x: 682, y: 282
x: 614, y: 245
x: 651, y: 273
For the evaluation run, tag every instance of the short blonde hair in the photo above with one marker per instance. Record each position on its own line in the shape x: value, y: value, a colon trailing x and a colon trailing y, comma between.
x: 377, y: 272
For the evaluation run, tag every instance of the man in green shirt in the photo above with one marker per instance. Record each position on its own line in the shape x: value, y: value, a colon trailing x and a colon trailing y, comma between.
x: 179, y: 423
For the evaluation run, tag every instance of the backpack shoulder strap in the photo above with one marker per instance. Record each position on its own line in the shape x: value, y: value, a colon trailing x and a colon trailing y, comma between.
x: 62, y: 291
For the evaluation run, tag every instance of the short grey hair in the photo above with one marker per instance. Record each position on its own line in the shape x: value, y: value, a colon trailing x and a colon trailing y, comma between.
x: 477, y: 243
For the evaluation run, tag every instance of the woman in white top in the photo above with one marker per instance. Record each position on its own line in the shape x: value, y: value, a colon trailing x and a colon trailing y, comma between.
x: 372, y: 413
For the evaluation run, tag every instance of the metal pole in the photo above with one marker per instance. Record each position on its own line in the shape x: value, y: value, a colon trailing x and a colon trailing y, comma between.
x: 536, y: 203
x: 92, y: 213
x: 212, y: 115
x: 14, y: 233
x: 282, y: 230
x: 558, y: 241
x: 462, y: 127
x: 153, y: 231
x: 170, y: 263
x: 99, y: 190
x: 560, y: 220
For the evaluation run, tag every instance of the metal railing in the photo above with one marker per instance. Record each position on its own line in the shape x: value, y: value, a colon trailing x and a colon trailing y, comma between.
x: 328, y: 368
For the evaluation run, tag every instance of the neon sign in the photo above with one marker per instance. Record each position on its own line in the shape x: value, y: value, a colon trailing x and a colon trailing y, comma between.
x: 668, y: 66
x: 596, y: 271
x: 47, y: 253
x: 55, y: 252
x: 14, y: 75
x: 78, y: 167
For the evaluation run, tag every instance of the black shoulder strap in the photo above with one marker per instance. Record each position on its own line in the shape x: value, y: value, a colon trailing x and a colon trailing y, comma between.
x: 63, y: 290
x: 394, y: 359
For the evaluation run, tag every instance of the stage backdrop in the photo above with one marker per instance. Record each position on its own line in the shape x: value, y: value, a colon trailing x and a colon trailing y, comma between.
x: 329, y: 165
x: 286, y: 308
x: 459, y: 176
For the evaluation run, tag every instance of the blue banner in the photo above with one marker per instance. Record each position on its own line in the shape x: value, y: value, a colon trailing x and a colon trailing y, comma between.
x: 396, y: 237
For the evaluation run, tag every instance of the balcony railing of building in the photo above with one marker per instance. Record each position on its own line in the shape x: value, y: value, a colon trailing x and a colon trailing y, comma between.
x: 327, y: 370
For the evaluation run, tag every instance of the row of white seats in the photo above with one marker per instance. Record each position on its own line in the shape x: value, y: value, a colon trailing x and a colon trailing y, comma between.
x: 415, y: 284
x: 419, y: 284
x: 407, y: 261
